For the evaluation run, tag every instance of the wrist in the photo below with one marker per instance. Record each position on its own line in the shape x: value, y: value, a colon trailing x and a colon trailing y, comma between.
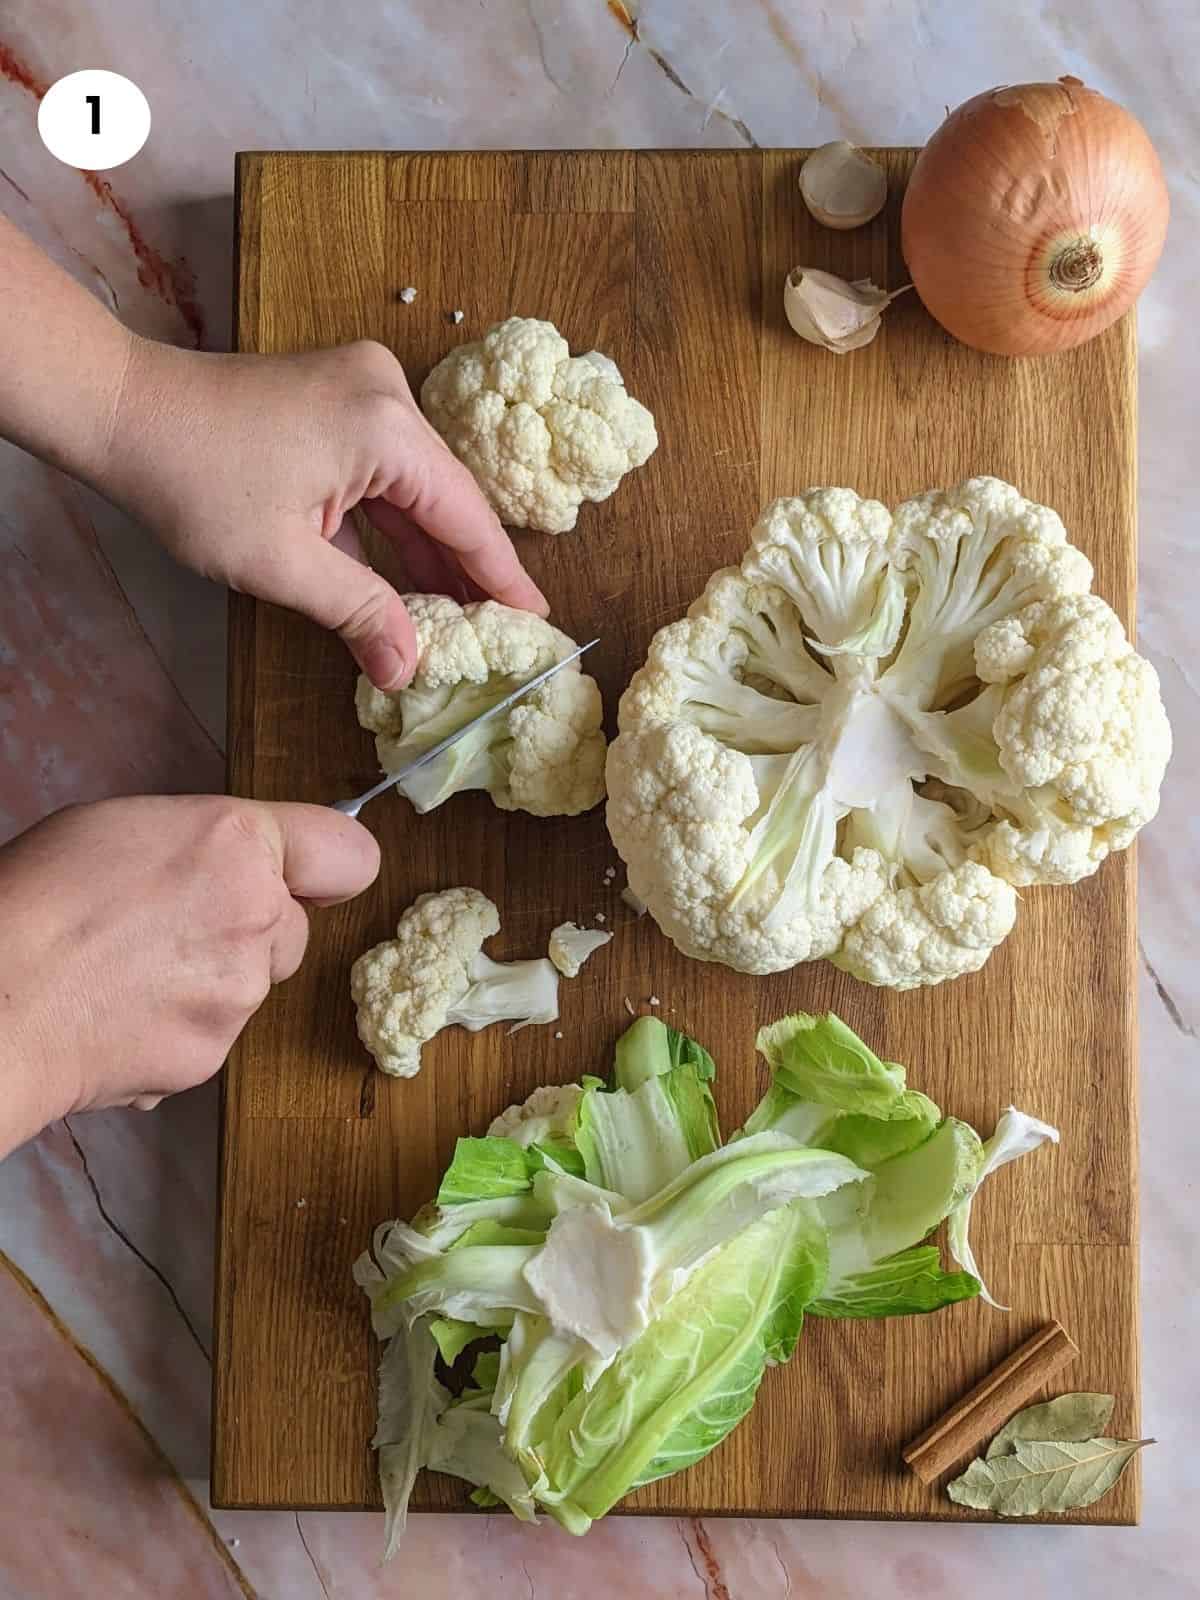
x: 40, y: 1077
x: 32, y: 1092
x: 126, y: 446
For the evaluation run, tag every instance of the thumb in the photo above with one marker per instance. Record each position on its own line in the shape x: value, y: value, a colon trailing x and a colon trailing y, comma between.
x: 323, y: 857
x: 343, y: 594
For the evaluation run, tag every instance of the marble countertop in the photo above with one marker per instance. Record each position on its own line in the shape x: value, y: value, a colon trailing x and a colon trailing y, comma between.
x: 107, y: 1222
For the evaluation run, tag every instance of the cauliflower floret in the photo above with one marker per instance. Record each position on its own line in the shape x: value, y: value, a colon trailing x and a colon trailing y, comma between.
x: 1081, y: 730
x: 1086, y: 717
x: 1044, y: 850
x: 434, y: 973
x: 544, y: 756
x: 570, y: 947
x: 971, y: 556
x: 829, y: 552
x: 862, y: 739
x: 944, y: 929
x: 557, y: 758
x: 679, y: 802
x: 695, y: 669
x: 541, y: 430
x: 548, y: 1113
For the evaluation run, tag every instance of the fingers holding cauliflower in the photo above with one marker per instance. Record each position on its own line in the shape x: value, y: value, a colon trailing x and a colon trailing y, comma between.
x: 541, y: 430
x: 864, y: 738
x: 545, y: 755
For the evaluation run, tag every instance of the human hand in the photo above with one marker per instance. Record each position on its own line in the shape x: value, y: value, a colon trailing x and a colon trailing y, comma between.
x: 138, y: 937
x: 246, y: 466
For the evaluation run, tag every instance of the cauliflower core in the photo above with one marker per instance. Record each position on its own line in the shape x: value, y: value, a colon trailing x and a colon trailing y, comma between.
x: 542, y: 430
x: 862, y: 740
x: 434, y: 973
x: 545, y: 755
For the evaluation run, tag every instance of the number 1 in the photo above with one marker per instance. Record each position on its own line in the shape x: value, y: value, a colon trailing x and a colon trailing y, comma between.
x: 93, y: 100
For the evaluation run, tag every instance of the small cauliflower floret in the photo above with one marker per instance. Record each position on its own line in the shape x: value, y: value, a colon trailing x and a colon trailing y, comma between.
x: 544, y: 756
x: 972, y: 556
x: 1080, y: 729
x: 548, y: 1113
x: 860, y: 741
x: 556, y: 759
x: 541, y: 430
x: 570, y: 947
x: 829, y: 552
x: 696, y: 667
x: 434, y: 973
x: 1084, y: 713
x: 944, y: 929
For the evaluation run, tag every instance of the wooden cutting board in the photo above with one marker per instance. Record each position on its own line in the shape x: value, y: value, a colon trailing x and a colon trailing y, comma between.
x: 673, y: 263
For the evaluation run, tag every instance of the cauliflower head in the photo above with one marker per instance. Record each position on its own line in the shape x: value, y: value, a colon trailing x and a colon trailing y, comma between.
x: 541, y: 430
x: 434, y: 973
x: 862, y: 740
x: 544, y: 756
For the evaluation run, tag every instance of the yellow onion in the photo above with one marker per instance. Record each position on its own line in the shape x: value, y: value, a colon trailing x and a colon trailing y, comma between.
x: 1034, y: 217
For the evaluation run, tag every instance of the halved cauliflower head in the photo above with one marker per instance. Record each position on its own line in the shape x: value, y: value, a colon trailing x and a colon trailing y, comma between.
x: 545, y: 755
x: 541, y: 430
x: 864, y: 738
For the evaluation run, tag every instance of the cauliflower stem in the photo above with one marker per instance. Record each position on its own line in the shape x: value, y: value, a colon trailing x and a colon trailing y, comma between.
x: 519, y: 992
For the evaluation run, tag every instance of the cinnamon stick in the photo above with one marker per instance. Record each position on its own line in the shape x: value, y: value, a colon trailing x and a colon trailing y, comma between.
x: 985, y: 1410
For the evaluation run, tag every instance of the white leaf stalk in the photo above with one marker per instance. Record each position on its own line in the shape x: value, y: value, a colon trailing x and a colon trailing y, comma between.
x: 1016, y: 1135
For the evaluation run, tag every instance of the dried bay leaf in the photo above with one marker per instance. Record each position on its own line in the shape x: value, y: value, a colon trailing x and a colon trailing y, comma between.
x: 1071, y: 1416
x: 1044, y: 1476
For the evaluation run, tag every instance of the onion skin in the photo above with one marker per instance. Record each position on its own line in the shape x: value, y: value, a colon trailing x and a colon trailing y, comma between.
x: 1034, y: 218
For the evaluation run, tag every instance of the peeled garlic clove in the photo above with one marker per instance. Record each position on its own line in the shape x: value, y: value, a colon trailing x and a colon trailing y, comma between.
x: 828, y: 311
x: 842, y: 187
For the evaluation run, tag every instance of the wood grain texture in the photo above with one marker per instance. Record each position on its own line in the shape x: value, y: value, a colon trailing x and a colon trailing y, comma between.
x: 673, y: 264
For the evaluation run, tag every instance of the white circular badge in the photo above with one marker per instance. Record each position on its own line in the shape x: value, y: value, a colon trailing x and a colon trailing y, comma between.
x: 94, y: 119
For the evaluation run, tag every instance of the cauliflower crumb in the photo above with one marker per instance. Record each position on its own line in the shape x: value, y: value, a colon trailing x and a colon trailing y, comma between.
x: 600, y: 917
x: 558, y: 1033
x: 301, y: 1203
x: 456, y: 316
x: 629, y: 1006
x: 408, y: 295
x: 570, y: 947
x: 654, y: 1000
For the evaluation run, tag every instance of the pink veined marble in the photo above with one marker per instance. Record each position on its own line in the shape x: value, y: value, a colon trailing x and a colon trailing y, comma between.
x: 111, y: 680
x: 90, y: 1506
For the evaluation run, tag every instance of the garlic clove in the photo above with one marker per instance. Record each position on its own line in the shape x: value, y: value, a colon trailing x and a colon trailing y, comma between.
x: 842, y: 187
x: 828, y: 311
